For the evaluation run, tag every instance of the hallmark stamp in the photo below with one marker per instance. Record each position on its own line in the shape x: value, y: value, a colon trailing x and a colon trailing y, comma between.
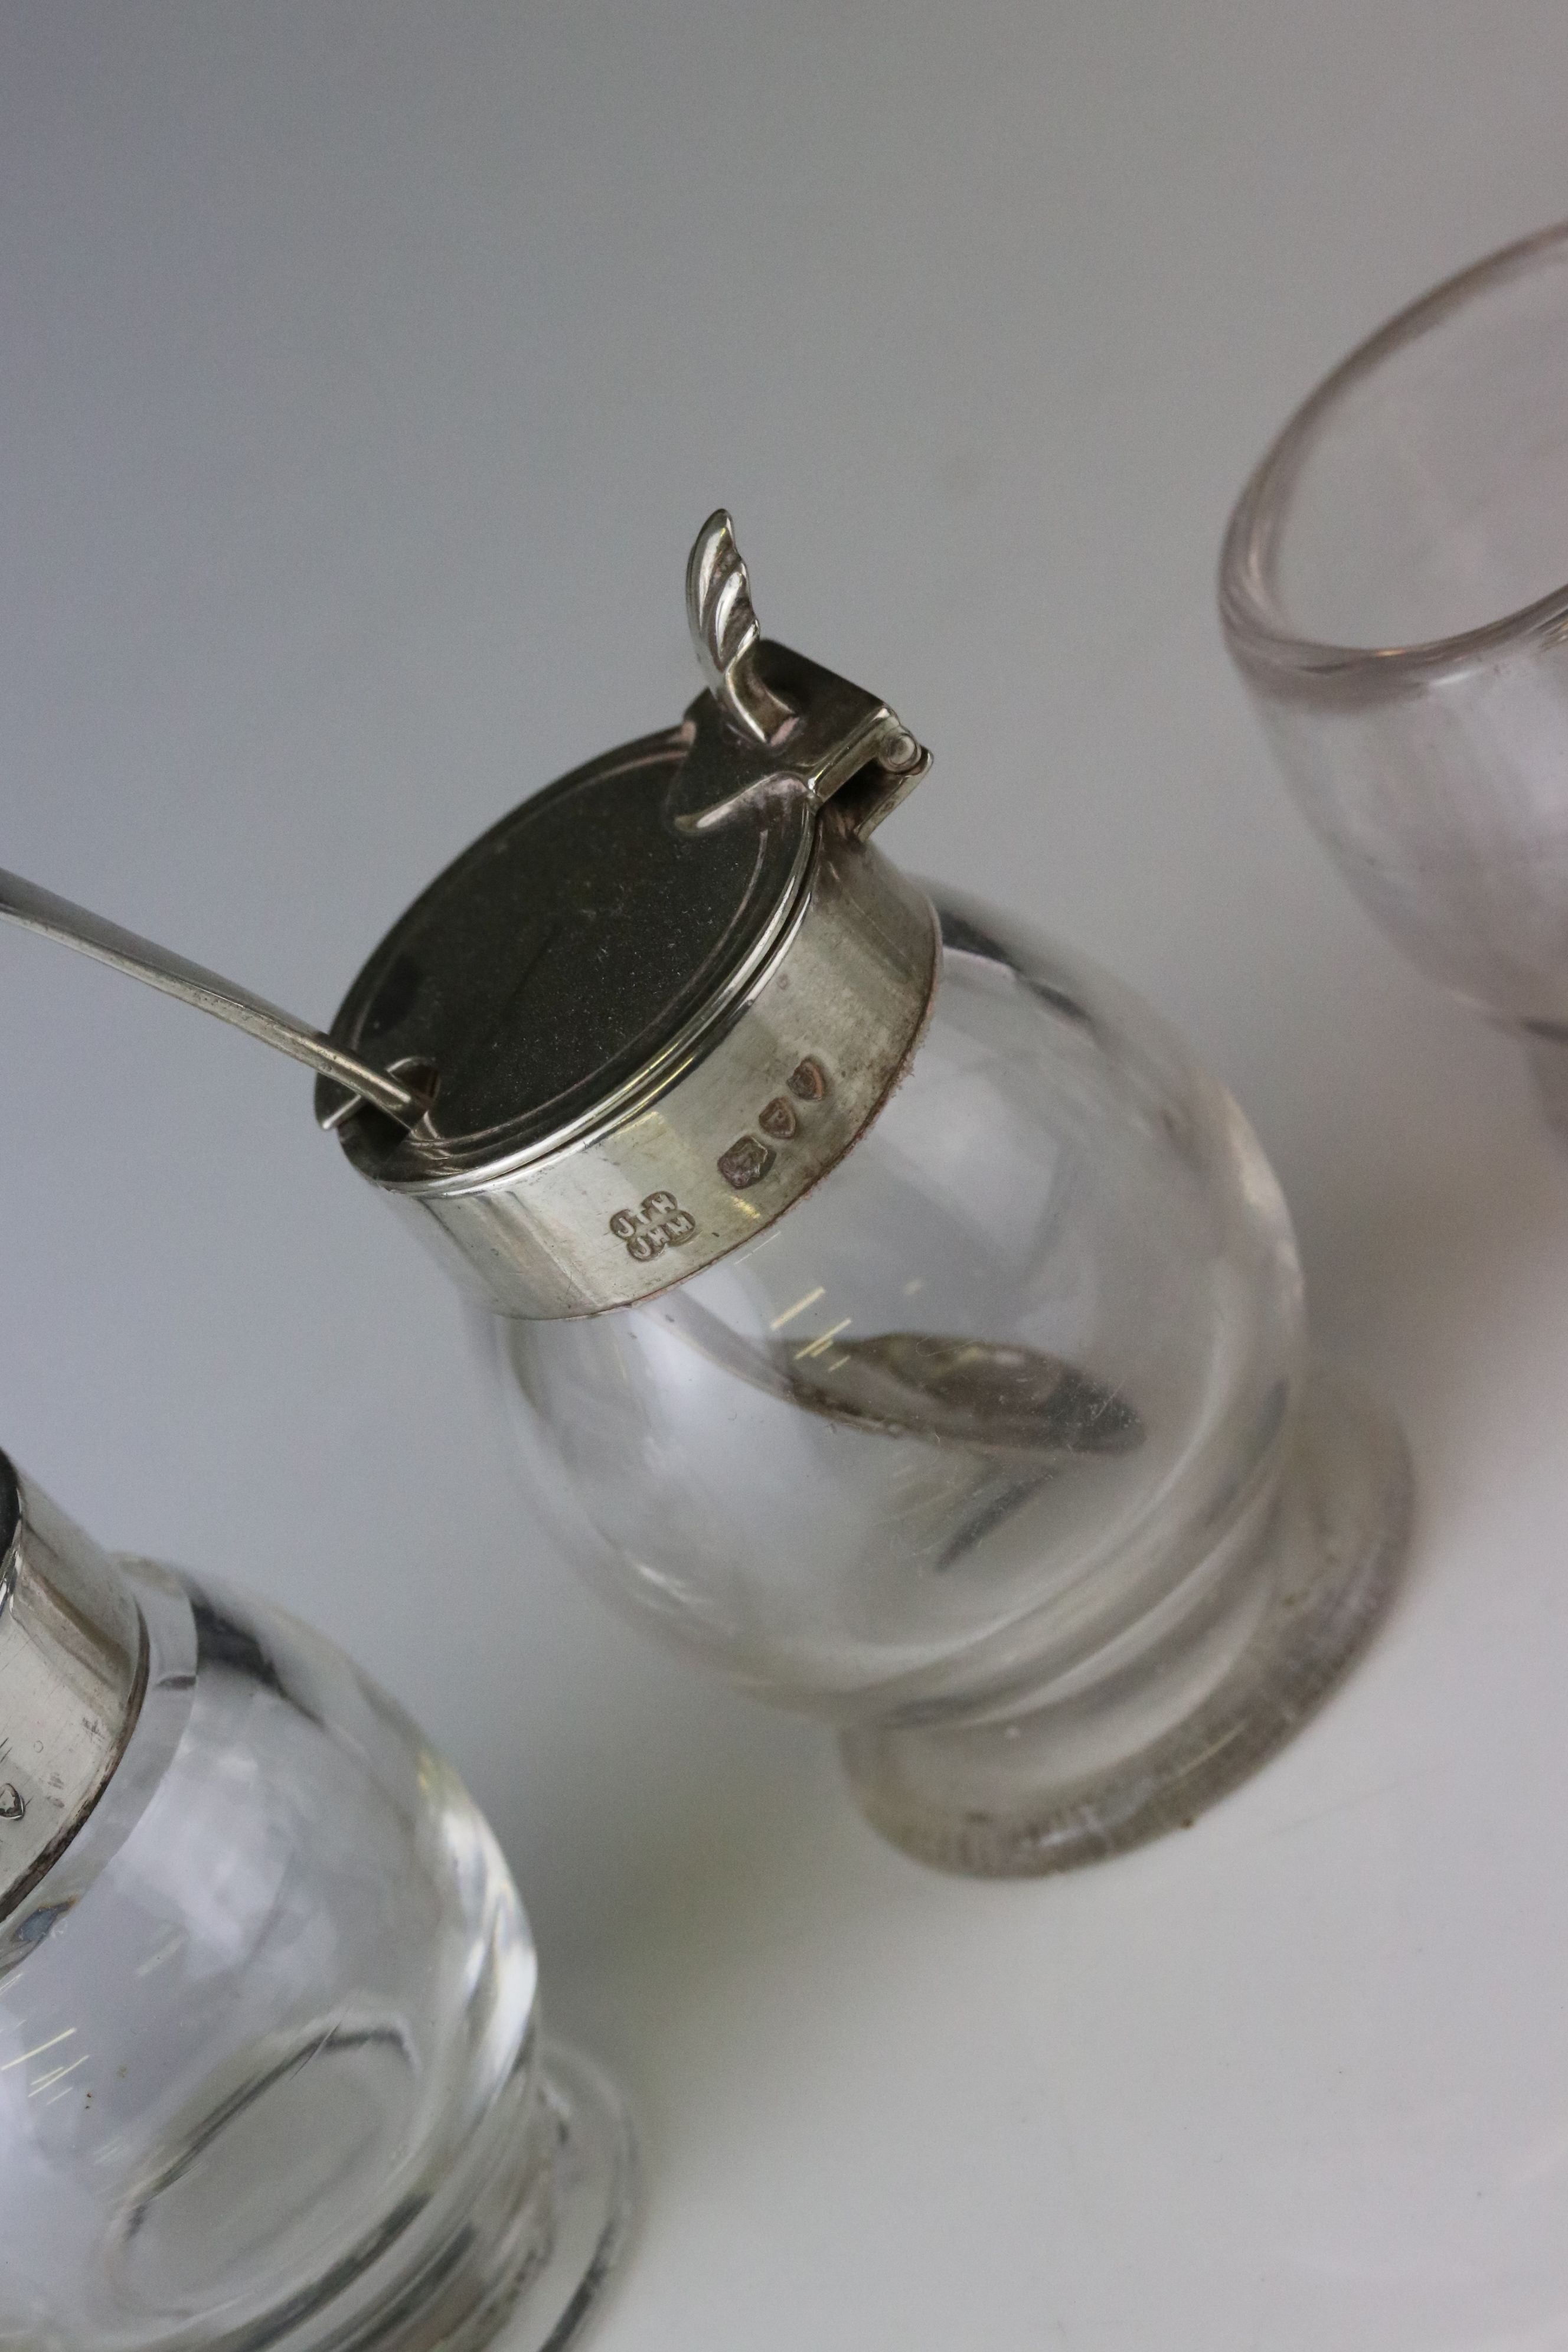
x: 746, y: 1163
x: 778, y: 1118
x: 808, y: 1080
x: 12, y: 1804
x: 660, y: 1223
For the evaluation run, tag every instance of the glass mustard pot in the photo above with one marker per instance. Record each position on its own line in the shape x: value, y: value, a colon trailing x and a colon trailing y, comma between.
x: 895, y: 1317
x: 1392, y: 590
x: 270, y: 2068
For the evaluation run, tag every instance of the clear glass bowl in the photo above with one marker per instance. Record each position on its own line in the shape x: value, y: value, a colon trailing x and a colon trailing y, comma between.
x: 1394, y: 588
x: 270, y: 2061
x: 998, y: 1450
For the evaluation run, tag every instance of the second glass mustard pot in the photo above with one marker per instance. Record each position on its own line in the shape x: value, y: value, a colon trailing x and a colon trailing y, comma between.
x: 896, y: 1316
x: 271, y: 2078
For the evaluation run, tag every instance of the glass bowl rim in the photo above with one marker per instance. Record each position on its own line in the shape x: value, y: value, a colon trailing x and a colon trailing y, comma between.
x: 1258, y: 636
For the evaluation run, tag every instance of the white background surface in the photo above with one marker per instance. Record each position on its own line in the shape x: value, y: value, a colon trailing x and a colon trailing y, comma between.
x: 366, y: 369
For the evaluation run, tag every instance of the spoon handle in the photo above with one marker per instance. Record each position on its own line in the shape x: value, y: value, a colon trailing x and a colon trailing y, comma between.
x: 40, y: 910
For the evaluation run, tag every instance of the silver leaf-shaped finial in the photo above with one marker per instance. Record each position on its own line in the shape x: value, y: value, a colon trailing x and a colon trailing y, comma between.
x: 724, y: 631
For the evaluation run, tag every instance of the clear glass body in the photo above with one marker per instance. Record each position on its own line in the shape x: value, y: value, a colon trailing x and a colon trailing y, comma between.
x: 1394, y: 590
x: 269, y: 2068
x: 996, y: 1418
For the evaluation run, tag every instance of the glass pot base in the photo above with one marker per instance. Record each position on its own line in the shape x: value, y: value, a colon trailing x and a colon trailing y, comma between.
x: 593, y: 2182
x: 540, y: 2233
x: 1096, y: 1763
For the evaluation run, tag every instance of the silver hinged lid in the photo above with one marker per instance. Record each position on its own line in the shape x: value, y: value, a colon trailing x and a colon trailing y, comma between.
x: 72, y: 1668
x: 657, y: 1001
